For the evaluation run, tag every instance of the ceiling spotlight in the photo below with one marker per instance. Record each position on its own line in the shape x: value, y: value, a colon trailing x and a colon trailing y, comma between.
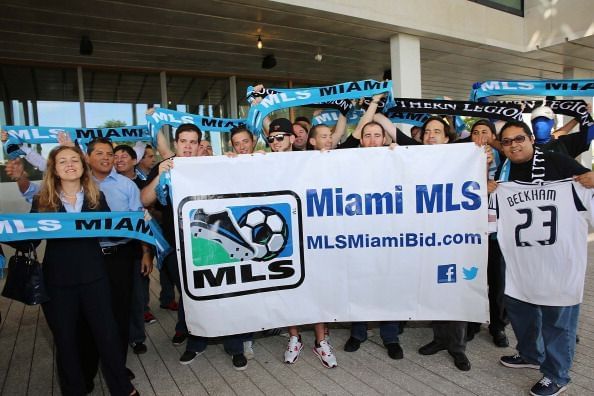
x: 86, y: 46
x: 318, y: 56
x: 259, y: 43
x: 268, y: 62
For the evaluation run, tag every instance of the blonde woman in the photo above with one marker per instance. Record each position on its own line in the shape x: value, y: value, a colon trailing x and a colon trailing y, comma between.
x: 75, y: 278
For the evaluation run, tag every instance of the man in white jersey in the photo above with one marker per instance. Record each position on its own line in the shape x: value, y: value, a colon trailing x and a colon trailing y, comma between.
x: 542, y: 233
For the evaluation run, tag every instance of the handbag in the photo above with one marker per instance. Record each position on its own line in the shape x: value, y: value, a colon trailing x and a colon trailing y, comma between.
x: 24, y: 281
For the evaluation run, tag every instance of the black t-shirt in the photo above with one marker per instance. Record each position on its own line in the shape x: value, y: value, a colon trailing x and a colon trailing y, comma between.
x: 404, y: 140
x: 401, y: 138
x: 139, y: 182
x: 166, y: 210
x: 572, y: 144
x: 557, y: 166
x: 350, y: 142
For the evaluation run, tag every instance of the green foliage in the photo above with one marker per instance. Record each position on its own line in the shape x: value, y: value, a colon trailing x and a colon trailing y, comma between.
x: 112, y: 124
x: 469, y: 121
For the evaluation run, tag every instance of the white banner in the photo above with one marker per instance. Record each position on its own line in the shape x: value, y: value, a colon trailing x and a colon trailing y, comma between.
x: 279, y: 239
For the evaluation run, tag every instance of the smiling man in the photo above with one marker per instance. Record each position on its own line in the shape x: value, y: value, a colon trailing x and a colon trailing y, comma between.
x: 280, y: 135
x: 320, y: 137
x: 187, y: 144
x: 242, y: 140
x: 544, y: 319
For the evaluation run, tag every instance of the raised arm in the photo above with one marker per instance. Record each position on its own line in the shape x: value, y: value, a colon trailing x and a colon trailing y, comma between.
x: 339, y: 130
x: 368, y: 116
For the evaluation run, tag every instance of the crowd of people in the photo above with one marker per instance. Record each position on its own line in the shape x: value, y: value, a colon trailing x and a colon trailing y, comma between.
x: 99, y: 302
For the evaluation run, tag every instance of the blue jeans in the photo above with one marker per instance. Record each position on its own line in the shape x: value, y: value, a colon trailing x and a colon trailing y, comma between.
x: 167, y: 293
x: 546, y: 336
x: 388, y: 331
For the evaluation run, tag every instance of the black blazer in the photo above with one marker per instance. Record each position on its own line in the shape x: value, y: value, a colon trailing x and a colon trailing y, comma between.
x: 73, y: 261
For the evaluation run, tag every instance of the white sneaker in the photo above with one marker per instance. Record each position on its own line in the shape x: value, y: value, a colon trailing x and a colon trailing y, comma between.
x: 293, y: 349
x: 325, y: 354
x: 248, y: 349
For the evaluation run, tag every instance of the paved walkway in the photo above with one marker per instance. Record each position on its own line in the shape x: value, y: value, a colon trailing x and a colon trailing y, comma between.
x: 27, y: 362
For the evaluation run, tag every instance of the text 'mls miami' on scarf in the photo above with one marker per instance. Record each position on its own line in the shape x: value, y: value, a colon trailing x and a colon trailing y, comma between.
x: 161, y: 117
x: 533, y: 88
x: 24, y: 226
x: 330, y: 118
x: 342, y: 105
x: 313, y: 95
x: 20, y: 134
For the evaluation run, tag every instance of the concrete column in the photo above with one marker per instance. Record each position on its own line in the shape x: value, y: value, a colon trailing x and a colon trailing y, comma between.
x: 405, y: 57
x: 576, y: 73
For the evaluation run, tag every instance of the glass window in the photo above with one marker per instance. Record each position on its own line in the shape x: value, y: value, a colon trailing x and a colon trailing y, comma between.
x: 203, y: 96
x: 38, y: 96
x: 515, y: 7
x: 119, y: 98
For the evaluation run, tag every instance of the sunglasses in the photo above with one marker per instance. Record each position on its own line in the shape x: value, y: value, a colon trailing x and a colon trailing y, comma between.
x: 518, y: 139
x: 278, y: 138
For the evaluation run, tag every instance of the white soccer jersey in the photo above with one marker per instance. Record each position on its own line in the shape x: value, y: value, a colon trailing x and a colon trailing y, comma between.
x: 542, y: 231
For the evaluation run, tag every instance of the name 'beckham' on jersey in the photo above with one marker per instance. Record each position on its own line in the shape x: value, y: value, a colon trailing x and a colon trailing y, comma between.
x: 542, y: 230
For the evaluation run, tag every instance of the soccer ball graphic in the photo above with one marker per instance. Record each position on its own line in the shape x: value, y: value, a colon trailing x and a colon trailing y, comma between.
x: 266, y: 230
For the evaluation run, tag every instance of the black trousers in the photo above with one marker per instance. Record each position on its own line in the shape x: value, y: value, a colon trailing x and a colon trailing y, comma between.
x: 69, y: 306
x: 451, y: 335
x: 496, y: 282
x: 119, y: 266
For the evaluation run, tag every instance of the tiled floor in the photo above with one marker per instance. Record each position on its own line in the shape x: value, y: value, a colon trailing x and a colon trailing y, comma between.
x: 27, y: 362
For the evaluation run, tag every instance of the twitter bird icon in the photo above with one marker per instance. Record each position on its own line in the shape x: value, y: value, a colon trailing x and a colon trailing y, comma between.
x: 470, y: 273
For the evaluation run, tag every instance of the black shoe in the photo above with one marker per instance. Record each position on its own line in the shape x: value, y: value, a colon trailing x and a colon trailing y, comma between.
x: 352, y: 345
x: 188, y: 357
x: 138, y: 348
x: 131, y: 375
x: 517, y: 361
x: 178, y: 338
x: 239, y: 362
x: 500, y: 339
x: 395, y: 351
x: 546, y: 387
x: 460, y: 361
x: 431, y: 349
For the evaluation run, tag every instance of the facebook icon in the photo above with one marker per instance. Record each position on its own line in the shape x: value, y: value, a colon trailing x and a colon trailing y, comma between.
x: 446, y: 273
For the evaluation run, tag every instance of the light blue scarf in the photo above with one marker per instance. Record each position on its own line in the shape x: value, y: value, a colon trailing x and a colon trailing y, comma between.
x: 51, y: 225
x: 175, y: 118
x: 533, y: 88
x: 330, y: 118
x: 306, y: 96
x: 19, y: 134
